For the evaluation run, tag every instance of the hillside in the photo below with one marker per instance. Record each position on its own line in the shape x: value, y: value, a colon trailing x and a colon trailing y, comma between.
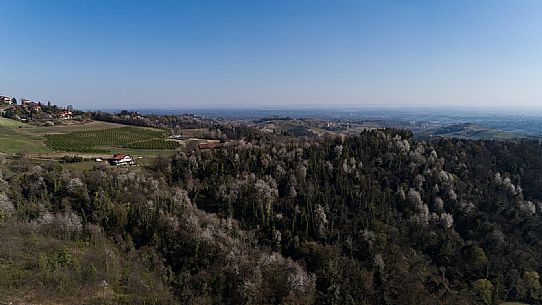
x: 92, y: 138
x: 18, y: 137
x: 372, y: 218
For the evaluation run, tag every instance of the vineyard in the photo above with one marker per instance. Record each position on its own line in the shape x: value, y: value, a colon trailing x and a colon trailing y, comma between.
x: 96, y: 141
x: 154, y: 144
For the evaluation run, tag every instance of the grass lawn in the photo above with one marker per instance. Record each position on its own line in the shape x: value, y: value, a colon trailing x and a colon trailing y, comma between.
x: 11, y: 123
x: 15, y: 137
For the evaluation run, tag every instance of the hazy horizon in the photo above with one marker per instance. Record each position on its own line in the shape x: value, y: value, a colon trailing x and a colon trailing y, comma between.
x: 281, y: 54
x: 357, y: 112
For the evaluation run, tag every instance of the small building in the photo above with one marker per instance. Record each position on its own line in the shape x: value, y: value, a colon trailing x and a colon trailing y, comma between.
x: 65, y: 115
x: 121, y: 159
x: 5, y: 99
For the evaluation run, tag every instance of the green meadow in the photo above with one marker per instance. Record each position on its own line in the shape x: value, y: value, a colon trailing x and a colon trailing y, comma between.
x: 89, y: 138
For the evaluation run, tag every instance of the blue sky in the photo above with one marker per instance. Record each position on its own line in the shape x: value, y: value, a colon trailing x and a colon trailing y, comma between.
x: 278, y: 53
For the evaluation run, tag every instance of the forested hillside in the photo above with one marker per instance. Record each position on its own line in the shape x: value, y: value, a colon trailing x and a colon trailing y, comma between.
x: 377, y: 218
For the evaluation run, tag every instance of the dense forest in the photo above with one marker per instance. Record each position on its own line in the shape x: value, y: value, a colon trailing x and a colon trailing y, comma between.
x: 377, y: 218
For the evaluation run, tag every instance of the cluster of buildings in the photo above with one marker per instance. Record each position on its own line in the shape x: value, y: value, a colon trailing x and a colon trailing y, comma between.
x: 28, y: 110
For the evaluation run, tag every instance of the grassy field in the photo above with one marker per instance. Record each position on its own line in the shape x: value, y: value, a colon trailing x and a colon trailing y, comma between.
x: 94, y: 139
x: 16, y: 137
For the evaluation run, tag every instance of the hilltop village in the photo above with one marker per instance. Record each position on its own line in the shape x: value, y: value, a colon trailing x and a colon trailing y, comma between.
x: 38, y: 113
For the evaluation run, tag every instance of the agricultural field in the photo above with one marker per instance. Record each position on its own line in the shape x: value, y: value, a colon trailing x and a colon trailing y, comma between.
x: 97, y: 141
x: 17, y: 137
x: 155, y: 144
x: 93, y: 139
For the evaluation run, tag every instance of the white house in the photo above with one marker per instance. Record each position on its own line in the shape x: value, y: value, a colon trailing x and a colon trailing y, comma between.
x: 122, y: 159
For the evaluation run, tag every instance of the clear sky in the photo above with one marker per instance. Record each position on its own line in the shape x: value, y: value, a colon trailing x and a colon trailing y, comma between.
x: 283, y: 53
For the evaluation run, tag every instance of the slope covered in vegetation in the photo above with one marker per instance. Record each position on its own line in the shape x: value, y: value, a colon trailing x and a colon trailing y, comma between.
x: 377, y: 218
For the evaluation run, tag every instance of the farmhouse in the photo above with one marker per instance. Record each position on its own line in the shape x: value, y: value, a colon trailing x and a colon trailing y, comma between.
x: 121, y: 159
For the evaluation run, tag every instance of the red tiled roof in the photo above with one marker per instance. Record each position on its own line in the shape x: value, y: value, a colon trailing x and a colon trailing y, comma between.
x: 119, y: 156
